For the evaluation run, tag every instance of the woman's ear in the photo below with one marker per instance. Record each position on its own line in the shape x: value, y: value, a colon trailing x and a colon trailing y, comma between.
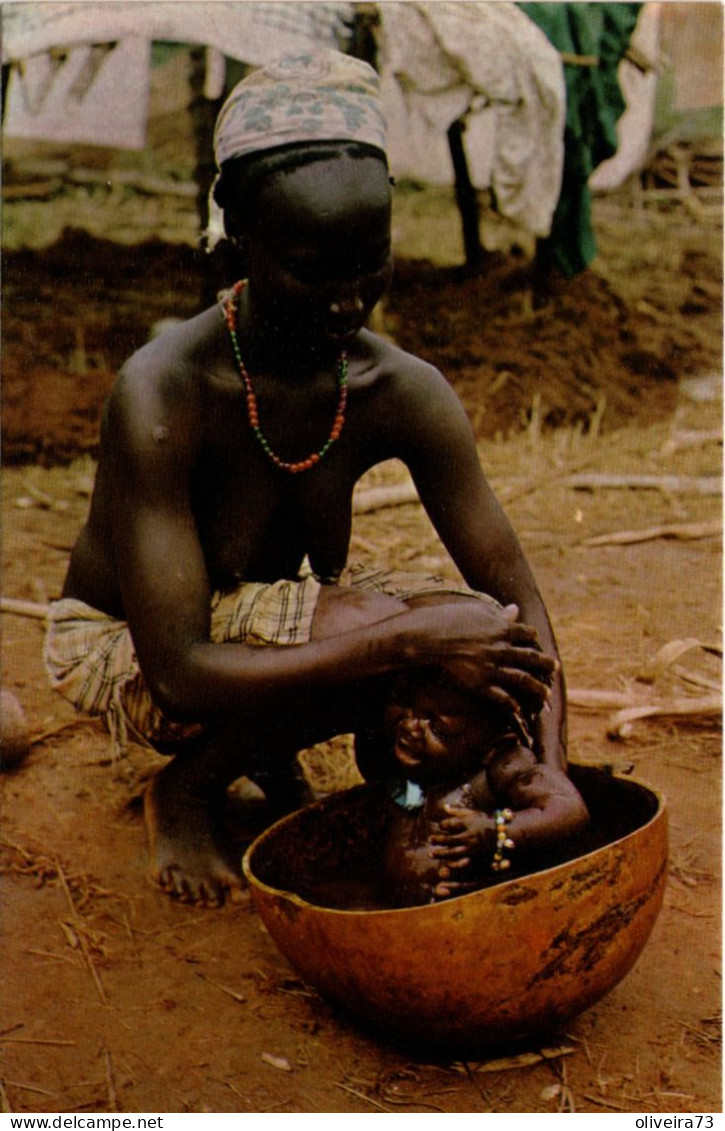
x: 238, y: 243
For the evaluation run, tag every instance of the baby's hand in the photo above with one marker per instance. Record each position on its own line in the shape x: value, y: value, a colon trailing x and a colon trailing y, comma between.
x: 431, y: 874
x: 418, y: 877
x: 464, y: 835
x: 446, y: 887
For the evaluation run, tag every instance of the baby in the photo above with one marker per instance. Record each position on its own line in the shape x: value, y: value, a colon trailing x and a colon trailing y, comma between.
x: 468, y: 799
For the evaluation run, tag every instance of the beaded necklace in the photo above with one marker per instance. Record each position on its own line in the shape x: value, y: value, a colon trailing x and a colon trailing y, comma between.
x: 230, y: 306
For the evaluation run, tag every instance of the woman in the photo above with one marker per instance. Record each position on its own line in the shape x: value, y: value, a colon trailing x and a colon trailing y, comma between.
x: 230, y: 447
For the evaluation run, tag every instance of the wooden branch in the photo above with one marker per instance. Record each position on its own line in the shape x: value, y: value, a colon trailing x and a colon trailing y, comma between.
x: 42, y: 498
x: 509, y: 491
x: 36, y: 1041
x: 681, y: 530
x: 76, y: 927
x: 679, y: 194
x: 143, y: 182
x: 36, y: 739
x: 628, y: 711
x: 110, y: 1082
x: 706, y: 705
x: 668, y: 654
x: 50, y: 177
x: 620, y: 725
x: 362, y: 1096
x: 641, y: 60
x: 598, y: 700
x: 35, y: 190
x: 524, y: 1059
x: 624, y: 702
x: 691, y: 439
x: 24, y: 608
x: 225, y: 989
x: 377, y: 498
x: 570, y: 59
x: 697, y: 679
x: 671, y: 484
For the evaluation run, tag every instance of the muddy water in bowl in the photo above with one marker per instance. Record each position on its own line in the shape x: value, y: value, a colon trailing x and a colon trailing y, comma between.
x: 492, y: 966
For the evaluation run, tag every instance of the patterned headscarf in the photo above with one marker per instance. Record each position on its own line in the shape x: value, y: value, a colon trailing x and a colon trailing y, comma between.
x: 326, y: 96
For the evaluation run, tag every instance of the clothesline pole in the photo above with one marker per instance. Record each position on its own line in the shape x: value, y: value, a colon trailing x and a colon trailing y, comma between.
x: 466, y: 197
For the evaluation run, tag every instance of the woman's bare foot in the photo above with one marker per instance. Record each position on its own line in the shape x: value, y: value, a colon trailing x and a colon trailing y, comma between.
x: 188, y: 858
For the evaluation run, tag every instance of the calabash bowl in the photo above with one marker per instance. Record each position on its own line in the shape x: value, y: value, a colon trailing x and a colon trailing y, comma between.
x: 493, y: 966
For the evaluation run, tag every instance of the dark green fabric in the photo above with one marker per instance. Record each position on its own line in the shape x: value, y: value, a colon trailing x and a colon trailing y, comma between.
x: 594, y: 103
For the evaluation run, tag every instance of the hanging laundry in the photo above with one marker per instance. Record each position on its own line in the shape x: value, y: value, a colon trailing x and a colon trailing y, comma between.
x: 487, y: 64
x: 94, y: 94
x: 592, y: 39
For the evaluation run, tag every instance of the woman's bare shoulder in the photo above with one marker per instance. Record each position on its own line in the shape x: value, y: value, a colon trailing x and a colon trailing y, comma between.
x: 395, y: 362
x: 173, y: 365
x: 179, y: 347
x: 417, y: 393
x: 411, y: 386
x: 163, y: 387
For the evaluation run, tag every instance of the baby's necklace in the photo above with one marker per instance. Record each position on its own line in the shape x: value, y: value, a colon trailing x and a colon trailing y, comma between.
x: 230, y: 306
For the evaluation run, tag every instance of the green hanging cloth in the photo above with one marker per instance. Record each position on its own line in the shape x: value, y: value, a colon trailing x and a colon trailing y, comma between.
x: 592, y: 39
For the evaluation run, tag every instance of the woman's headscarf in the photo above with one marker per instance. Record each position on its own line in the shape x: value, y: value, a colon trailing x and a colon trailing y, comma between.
x: 325, y: 96
x: 300, y: 99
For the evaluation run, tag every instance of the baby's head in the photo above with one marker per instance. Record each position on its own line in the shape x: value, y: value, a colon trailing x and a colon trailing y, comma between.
x: 438, y: 732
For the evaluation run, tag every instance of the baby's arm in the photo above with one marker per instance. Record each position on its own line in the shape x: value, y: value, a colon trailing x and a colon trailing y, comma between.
x: 547, y: 807
x: 517, y: 806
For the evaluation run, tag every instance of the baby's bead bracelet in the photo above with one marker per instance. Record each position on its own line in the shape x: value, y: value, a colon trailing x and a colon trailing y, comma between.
x: 501, y: 819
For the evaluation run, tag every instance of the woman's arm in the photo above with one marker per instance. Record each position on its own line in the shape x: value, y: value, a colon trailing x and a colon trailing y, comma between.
x: 440, y: 451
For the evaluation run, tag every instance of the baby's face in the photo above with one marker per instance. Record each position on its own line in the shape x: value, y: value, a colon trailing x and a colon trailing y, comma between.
x: 436, y: 733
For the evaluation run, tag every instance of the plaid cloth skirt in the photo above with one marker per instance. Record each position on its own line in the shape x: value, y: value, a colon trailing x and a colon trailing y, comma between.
x: 91, y: 661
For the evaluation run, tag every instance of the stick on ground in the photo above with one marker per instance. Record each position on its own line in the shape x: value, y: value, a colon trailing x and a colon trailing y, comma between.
x: 683, y: 530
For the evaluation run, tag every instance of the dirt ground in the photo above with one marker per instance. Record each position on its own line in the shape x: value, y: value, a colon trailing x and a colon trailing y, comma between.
x: 115, y: 998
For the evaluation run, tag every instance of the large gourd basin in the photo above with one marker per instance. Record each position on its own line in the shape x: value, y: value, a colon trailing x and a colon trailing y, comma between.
x: 493, y: 966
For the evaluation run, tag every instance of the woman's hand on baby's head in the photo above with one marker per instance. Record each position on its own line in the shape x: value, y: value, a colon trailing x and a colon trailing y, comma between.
x: 471, y: 628
x: 511, y: 673
x: 487, y: 651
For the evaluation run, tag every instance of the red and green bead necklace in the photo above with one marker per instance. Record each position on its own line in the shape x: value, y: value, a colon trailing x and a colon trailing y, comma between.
x: 230, y: 307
